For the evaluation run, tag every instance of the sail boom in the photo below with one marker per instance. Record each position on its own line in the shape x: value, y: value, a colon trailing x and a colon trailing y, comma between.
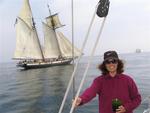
x: 26, y: 58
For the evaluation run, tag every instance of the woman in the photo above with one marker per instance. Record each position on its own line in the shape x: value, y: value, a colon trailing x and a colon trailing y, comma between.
x: 112, y: 84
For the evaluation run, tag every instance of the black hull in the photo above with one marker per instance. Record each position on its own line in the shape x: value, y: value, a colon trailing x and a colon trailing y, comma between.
x: 43, y: 64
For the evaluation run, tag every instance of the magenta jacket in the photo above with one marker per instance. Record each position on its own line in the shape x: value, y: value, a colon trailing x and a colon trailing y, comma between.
x: 107, y: 88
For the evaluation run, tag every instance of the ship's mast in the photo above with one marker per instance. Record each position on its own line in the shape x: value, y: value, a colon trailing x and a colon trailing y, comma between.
x: 37, y: 36
x: 49, y: 10
x: 38, y: 40
x: 52, y: 21
x: 53, y: 25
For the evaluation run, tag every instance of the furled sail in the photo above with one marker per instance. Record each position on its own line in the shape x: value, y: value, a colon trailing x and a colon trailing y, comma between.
x: 66, y: 46
x: 27, y: 42
x: 53, y: 21
x: 51, y: 47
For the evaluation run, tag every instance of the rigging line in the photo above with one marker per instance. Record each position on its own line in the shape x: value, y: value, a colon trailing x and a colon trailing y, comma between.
x: 88, y: 65
x: 146, y: 111
x: 147, y: 98
x: 72, y: 6
x: 76, y: 65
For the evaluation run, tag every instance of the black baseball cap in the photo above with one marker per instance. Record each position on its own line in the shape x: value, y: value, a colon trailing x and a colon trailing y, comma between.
x: 110, y: 55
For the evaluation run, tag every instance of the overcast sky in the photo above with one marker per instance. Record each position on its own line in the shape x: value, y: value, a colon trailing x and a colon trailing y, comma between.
x: 127, y: 26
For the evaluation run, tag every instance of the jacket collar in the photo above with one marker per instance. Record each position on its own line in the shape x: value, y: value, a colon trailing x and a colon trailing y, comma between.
x: 109, y: 77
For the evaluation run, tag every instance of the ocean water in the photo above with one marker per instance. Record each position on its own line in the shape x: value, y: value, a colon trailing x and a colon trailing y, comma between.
x: 42, y: 90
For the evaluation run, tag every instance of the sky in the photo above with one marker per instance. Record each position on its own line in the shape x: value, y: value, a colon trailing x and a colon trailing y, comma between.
x: 126, y: 29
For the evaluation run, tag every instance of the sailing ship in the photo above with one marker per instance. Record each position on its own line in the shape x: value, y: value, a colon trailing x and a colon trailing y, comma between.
x: 57, y: 49
x: 138, y: 51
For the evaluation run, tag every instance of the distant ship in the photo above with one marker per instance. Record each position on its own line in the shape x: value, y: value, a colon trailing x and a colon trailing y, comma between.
x: 57, y: 49
x: 138, y: 51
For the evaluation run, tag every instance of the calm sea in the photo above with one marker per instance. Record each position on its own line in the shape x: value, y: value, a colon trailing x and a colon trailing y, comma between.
x: 42, y: 90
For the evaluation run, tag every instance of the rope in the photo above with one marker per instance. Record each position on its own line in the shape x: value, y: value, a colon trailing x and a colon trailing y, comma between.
x: 72, y: 6
x: 147, y: 98
x: 88, y: 65
x: 147, y: 110
x: 76, y: 65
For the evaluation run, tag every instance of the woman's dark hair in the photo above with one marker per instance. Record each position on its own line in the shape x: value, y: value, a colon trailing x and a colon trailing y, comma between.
x: 120, y: 68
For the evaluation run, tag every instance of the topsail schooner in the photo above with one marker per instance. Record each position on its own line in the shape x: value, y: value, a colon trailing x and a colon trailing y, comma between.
x: 57, y: 49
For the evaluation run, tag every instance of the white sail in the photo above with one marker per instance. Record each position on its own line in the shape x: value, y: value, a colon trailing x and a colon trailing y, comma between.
x: 66, y: 46
x: 51, y: 47
x: 27, y: 42
x: 27, y: 46
x: 53, y: 21
x: 26, y: 13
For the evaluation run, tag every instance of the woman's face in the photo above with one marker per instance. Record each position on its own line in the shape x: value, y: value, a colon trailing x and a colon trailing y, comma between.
x: 111, y: 65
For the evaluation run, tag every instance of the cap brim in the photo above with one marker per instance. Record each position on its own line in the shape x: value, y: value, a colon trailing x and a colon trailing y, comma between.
x: 111, y: 58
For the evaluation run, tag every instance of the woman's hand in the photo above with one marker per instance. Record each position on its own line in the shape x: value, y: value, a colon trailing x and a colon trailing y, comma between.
x: 121, y: 109
x: 76, y: 102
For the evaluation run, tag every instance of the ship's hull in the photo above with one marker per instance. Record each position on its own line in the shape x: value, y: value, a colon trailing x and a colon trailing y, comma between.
x: 34, y: 65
